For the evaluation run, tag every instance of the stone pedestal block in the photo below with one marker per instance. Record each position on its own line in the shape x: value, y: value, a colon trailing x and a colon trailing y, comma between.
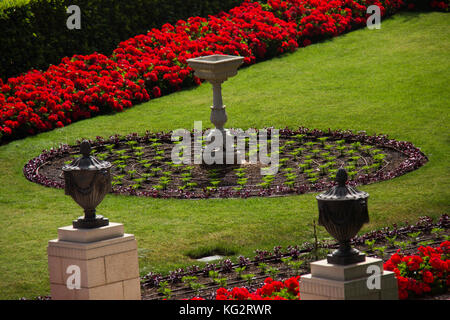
x: 94, y: 264
x: 360, y: 281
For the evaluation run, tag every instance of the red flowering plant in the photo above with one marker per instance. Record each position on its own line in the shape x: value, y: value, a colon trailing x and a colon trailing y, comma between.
x: 271, y: 290
x: 425, y: 272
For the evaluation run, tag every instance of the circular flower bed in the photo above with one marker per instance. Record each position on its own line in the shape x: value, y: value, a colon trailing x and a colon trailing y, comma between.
x: 308, y: 161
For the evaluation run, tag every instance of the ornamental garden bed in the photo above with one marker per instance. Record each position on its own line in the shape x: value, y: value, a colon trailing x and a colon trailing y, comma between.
x: 308, y: 161
x: 410, y: 241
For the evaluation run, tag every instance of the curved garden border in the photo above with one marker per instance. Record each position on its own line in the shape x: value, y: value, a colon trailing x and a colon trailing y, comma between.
x: 415, y: 159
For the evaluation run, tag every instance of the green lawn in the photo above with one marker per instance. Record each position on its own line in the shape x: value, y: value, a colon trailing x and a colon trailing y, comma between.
x: 393, y: 81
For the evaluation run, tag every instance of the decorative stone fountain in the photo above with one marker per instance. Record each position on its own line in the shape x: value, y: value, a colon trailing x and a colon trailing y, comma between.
x: 217, y: 69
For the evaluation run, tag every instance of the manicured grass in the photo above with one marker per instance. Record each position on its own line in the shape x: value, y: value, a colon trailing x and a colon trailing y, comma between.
x: 392, y: 81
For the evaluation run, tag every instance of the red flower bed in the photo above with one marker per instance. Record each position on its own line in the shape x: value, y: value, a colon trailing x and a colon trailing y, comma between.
x: 151, y: 65
x: 426, y: 272
x: 271, y: 290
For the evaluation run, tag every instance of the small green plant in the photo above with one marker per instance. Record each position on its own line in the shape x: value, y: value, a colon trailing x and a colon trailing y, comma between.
x: 380, y: 251
x: 132, y: 144
x: 415, y: 236
x: 315, y: 152
x: 356, y: 145
x: 267, y: 181
x: 286, y: 260
x: 303, y: 166
x: 121, y: 167
x: 379, y: 157
x: 248, y: 277
x: 370, y: 245
x: 214, y: 183
x: 242, y: 182
x: 155, y: 145
x: 350, y: 152
x: 155, y: 171
x: 296, y: 266
x: 300, y: 137
x: 164, y: 290
x: 239, y: 271
x: 190, y: 281
x: 391, y: 240
x: 213, y: 274
x: 322, y: 140
x: 263, y: 267
x: 139, y: 155
x: 324, y: 169
x: 313, y: 180
x: 197, y: 287
x: 283, y: 161
x: 437, y: 232
x: 341, y: 150
x: 191, y: 185
x: 109, y: 147
x: 131, y: 173
x: 120, y: 152
x: 158, y: 158
x: 352, y: 174
x: 102, y: 156
x: 310, y: 144
x: 366, y: 169
x: 273, y: 272
x: 402, y: 244
x: 164, y: 182
x: 222, y: 282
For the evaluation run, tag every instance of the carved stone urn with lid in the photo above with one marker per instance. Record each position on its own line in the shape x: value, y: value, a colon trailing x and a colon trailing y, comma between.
x: 87, y: 181
x: 343, y: 211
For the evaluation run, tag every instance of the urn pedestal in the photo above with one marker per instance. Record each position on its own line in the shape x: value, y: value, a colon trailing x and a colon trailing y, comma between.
x: 94, y: 264
x: 358, y: 281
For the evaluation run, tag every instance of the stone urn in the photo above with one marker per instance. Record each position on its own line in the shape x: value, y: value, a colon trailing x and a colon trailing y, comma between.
x: 87, y: 181
x: 343, y: 211
x: 217, y: 69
